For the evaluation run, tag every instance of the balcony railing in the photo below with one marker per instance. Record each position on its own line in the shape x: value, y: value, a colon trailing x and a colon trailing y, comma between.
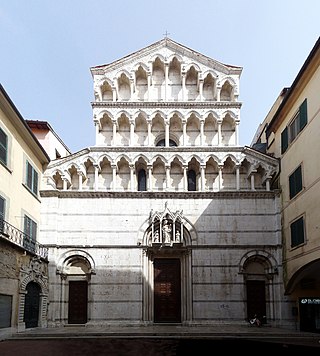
x: 18, y: 237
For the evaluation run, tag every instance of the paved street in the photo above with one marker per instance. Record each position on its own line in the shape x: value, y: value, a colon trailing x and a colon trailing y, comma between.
x: 143, y: 347
x: 157, y: 340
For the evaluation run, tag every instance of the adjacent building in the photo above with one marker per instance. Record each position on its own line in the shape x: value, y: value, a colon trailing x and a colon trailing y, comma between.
x: 165, y: 218
x: 23, y: 261
x: 290, y: 132
x: 49, y: 139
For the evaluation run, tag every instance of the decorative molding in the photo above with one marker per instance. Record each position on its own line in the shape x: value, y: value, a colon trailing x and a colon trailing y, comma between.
x: 162, y: 195
x: 177, y: 49
x: 167, y: 104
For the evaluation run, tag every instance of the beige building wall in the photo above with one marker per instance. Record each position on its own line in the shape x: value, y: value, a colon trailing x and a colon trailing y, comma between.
x: 20, y: 261
x: 301, y: 251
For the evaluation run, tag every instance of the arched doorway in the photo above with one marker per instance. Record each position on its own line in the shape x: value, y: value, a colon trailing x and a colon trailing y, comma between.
x: 75, y: 268
x: 259, y: 269
x: 167, y: 241
x: 31, y: 305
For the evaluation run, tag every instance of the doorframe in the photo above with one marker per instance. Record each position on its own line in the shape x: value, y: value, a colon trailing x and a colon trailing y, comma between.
x: 173, y: 265
x: 35, y: 272
x: 185, y: 258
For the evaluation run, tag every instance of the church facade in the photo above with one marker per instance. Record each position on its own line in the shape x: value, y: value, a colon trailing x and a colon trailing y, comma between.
x: 166, y: 218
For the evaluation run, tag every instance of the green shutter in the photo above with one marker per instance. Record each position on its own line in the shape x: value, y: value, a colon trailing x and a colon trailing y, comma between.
x: 303, y: 115
x: 295, y: 182
x: 298, y: 179
x: 291, y: 186
x: 26, y: 225
x: 284, y: 140
x: 297, y: 232
x: 35, y: 182
x: 3, y: 147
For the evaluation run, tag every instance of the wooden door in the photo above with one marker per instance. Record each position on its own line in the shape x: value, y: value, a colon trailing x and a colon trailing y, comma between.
x: 167, y: 290
x: 256, y: 300
x: 78, y: 302
x: 31, y: 305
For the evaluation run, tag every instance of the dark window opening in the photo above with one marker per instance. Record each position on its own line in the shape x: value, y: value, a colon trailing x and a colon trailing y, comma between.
x: 192, y: 183
x: 3, y: 147
x: 295, y: 182
x: 162, y: 143
x: 142, y: 180
x: 297, y: 232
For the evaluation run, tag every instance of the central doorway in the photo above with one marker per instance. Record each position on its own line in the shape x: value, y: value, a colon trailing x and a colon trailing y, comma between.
x: 167, y: 290
x: 78, y: 302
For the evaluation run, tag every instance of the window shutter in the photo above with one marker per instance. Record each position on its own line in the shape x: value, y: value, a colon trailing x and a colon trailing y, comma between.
x: 303, y: 114
x: 3, y: 146
x: 29, y: 175
x: 284, y: 140
x: 26, y: 225
x: 295, y: 182
x: 34, y: 231
x: 2, y: 205
x: 35, y: 182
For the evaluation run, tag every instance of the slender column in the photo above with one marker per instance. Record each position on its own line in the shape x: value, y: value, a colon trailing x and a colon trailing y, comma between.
x: 96, y: 176
x: 114, y: 177
x: 149, y: 178
x: 114, y: 93
x: 238, y: 178
x: 237, y: 132
x: 202, y: 169
x: 268, y: 184
x: 149, y: 132
x: 184, y: 133
x: 131, y: 132
x: 149, y: 84
x: 131, y: 88
x: 201, y: 132
x: 167, y: 123
x: 220, y: 177
x: 80, y: 179
x: 218, y: 93
x: 166, y: 72
x: 185, y: 178
x: 252, y: 181
x: 114, y: 132
x: 99, y: 92
x: 183, y: 86
x: 168, y: 177
x: 201, y: 89
x: 132, y: 177
x: 219, y: 133
x: 97, y: 128
x: 65, y: 183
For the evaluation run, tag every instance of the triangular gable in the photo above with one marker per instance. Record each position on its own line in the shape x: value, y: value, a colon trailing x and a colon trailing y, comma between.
x: 176, y: 48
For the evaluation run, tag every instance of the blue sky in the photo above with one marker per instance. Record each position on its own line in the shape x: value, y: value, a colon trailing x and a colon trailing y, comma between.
x: 48, y: 47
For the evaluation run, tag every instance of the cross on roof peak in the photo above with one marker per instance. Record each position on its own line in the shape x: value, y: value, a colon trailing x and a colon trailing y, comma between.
x: 166, y: 34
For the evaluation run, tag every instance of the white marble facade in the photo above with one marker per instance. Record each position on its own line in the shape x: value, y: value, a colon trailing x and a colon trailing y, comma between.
x: 166, y: 184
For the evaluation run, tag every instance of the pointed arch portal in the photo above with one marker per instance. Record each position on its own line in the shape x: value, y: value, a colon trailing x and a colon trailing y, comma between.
x: 167, y: 268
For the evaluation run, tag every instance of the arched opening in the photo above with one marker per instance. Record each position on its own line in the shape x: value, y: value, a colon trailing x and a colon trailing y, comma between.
x: 142, y: 180
x: 192, y: 181
x: 162, y: 143
x: 31, y: 305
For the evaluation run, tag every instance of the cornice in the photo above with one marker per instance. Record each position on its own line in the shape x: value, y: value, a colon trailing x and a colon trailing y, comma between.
x: 162, y: 149
x: 167, y: 104
x: 65, y: 194
x: 176, y: 48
